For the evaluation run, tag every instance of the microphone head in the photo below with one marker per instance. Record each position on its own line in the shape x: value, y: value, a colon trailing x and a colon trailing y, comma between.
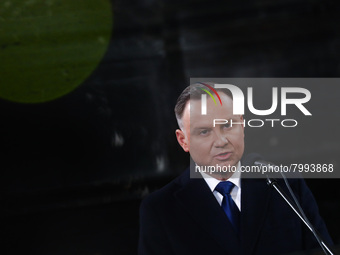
x: 250, y: 159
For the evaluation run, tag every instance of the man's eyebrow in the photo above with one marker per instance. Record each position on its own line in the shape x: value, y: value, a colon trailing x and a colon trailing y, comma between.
x: 200, y: 128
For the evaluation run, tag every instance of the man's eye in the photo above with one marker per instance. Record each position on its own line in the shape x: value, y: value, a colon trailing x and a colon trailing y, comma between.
x: 227, y: 125
x: 204, y: 132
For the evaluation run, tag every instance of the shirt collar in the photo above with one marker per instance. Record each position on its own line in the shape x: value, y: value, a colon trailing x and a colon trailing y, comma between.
x: 213, y: 182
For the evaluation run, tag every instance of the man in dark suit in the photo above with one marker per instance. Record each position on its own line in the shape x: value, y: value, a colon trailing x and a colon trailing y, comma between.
x: 198, y: 216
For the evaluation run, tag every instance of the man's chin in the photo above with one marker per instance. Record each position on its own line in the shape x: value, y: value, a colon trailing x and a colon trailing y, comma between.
x: 218, y: 170
x: 226, y: 164
x: 222, y: 175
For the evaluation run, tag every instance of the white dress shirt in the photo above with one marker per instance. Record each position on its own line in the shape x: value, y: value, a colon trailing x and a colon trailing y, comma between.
x: 235, y: 179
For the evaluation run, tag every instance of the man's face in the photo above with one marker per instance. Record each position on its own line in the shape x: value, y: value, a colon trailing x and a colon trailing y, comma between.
x: 221, y: 145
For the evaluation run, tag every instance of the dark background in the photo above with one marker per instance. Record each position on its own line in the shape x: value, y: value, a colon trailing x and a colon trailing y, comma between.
x: 75, y: 169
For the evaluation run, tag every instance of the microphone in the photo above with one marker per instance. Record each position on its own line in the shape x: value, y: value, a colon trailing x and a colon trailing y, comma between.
x: 251, y: 158
x: 257, y: 160
x: 270, y: 178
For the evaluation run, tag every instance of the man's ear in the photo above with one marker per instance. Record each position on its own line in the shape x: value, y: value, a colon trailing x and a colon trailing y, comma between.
x: 182, y: 140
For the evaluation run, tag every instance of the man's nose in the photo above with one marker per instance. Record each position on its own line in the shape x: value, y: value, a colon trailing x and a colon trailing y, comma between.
x: 221, y: 140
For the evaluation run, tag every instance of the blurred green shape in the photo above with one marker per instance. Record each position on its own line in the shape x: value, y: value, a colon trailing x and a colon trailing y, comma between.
x: 49, y: 47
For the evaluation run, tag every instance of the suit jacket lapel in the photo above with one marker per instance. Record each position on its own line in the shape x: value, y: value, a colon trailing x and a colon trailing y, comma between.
x: 196, y: 197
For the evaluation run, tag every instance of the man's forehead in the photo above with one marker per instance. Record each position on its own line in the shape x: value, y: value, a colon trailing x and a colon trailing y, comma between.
x: 200, y: 123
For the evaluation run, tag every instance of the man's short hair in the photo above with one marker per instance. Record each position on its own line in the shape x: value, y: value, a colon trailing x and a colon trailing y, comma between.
x: 194, y: 92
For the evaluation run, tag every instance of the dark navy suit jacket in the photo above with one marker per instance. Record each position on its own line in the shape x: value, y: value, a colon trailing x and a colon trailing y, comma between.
x: 184, y: 218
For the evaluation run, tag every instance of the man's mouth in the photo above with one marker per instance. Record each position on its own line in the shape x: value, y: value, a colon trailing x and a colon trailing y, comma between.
x: 223, y: 156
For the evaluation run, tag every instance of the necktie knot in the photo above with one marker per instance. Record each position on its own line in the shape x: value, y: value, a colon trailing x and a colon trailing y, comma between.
x: 225, y: 187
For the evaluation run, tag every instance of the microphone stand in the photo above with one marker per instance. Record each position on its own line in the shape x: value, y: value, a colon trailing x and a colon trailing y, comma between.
x: 273, y: 183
